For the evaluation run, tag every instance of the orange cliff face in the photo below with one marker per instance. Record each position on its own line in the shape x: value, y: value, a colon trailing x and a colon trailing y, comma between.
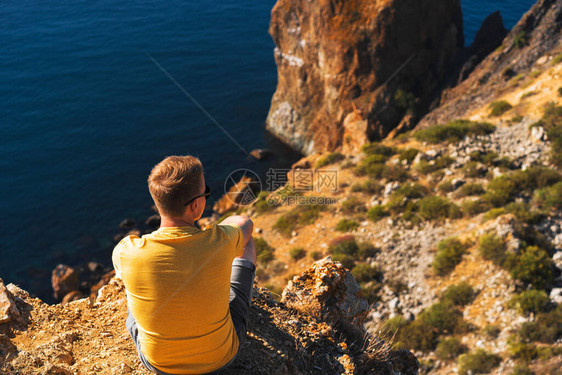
x: 372, y: 58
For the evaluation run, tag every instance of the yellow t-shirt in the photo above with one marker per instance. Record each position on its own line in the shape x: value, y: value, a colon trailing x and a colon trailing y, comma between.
x: 177, y: 281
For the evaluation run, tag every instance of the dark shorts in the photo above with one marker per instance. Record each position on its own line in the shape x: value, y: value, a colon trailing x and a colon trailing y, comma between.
x: 241, y: 284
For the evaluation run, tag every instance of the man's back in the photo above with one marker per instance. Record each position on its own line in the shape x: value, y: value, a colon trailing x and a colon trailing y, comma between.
x: 178, y: 282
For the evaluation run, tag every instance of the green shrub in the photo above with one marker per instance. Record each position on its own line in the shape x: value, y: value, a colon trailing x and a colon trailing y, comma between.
x: 449, y: 348
x: 560, y: 91
x: 346, y: 225
x: 521, y: 39
x: 473, y: 188
x: 368, y: 187
x: 534, y: 267
x: 552, y: 123
x: 316, y: 255
x: 530, y: 301
x: 442, y: 317
x: 522, y: 370
x: 473, y: 169
x: 376, y: 213
x: 377, y: 148
x: 370, y: 291
x: 522, y: 351
x: 353, y: 205
x: 491, y: 331
x: 460, y: 294
x: 394, y: 173
x: 470, y: 207
x: 483, y: 157
x: 405, y: 101
x: 364, y: 272
x: 309, y: 213
x: 264, y: 252
x: 437, y: 208
x: 297, y: 253
x: 366, y: 250
x: 449, y: 254
x: 478, y: 362
x: 499, y: 108
x: 492, y: 248
x: 446, y: 186
x: 523, y: 212
x: 550, y: 198
x: 440, y: 162
x: 546, y: 328
x: 501, y: 190
x: 493, y: 213
x: 346, y: 245
x: 408, y: 154
x: 331, y: 158
x: 301, y: 215
x: 453, y: 131
x: 557, y: 59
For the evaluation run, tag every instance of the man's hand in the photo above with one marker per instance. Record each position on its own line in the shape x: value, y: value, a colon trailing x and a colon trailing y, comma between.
x: 243, y: 223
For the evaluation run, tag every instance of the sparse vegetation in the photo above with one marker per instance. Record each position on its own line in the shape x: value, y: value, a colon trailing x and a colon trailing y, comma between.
x: 478, y: 362
x: 449, y: 254
x: 331, y: 158
x: 368, y: 187
x: 530, y: 301
x: 498, y: 108
x: 346, y: 225
x: 534, y: 267
x: 453, y: 131
x: 440, y: 162
x: 376, y: 212
x: 491, y: 331
x: 552, y: 123
x: 297, y: 253
x: 521, y: 39
x: 353, y: 205
x: 304, y: 214
x: 492, y: 247
x: 460, y: 294
x: 408, y: 154
x: 546, y: 328
x: 438, y: 208
x: 472, y: 188
x: 364, y: 272
x: 449, y: 348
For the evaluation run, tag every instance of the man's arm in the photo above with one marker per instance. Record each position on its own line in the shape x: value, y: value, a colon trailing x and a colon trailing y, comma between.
x: 247, y: 227
x: 243, y: 223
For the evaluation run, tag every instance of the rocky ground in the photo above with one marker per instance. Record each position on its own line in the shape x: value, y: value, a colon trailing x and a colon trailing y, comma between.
x: 288, y: 337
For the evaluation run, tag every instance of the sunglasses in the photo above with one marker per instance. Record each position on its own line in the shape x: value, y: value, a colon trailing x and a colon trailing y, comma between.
x: 206, y: 194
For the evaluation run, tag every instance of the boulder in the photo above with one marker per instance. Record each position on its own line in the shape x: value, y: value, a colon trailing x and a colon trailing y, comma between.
x: 64, y: 279
x: 261, y: 153
x: 328, y: 291
x: 8, y: 309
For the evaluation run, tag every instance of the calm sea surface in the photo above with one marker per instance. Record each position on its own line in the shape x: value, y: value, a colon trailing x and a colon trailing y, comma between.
x: 85, y: 114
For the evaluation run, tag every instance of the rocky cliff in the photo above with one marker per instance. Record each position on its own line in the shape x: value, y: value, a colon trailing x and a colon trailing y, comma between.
x: 367, y: 61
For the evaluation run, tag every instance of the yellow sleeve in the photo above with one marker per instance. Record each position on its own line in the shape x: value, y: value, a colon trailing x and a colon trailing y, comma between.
x: 116, y: 259
x: 236, y: 238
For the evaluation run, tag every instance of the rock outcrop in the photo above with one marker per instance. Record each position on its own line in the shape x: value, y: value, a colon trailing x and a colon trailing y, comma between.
x: 534, y: 41
x: 377, y: 58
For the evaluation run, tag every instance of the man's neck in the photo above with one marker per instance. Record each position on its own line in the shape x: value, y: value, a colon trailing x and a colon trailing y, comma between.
x: 175, y: 222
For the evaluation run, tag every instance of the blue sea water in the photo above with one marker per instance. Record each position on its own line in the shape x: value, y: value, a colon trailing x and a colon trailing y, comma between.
x: 85, y: 113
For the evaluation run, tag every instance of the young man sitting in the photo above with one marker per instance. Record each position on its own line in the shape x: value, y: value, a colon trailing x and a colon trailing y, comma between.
x: 188, y: 290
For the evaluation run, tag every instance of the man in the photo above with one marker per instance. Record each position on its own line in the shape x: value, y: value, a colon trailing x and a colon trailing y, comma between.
x: 188, y: 290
